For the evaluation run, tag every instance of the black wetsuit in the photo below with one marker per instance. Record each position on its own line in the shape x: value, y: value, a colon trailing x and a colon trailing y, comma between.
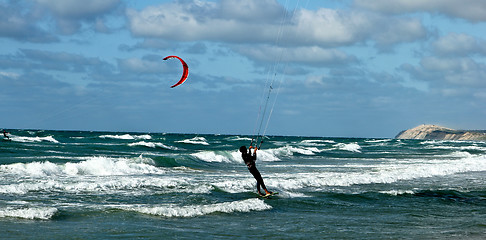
x: 250, y: 163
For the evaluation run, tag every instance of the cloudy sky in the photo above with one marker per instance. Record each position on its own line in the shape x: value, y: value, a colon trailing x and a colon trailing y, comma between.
x: 347, y: 68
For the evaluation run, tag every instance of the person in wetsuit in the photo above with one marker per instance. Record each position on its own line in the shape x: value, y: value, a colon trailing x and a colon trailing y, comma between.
x: 250, y: 163
x: 5, y: 135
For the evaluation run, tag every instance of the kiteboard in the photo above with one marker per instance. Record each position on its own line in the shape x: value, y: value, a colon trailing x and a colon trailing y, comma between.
x: 269, y: 195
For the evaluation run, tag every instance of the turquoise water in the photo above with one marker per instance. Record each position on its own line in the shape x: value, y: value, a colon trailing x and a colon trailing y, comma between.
x: 91, y: 185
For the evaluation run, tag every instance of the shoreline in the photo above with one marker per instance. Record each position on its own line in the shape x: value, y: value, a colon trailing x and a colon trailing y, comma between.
x: 435, y: 132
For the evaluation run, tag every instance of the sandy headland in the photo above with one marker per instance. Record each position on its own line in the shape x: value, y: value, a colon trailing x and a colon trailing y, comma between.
x: 434, y: 132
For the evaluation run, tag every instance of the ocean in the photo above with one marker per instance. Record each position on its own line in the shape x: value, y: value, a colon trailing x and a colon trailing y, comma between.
x: 120, y: 185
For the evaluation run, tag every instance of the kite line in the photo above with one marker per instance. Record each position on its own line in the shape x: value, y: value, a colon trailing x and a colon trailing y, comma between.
x: 264, y: 113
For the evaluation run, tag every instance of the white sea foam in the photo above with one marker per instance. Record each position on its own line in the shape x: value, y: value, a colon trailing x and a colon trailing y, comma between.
x: 288, y: 194
x: 352, y: 147
x: 268, y: 155
x: 43, y: 213
x: 316, y: 142
x: 102, y: 166
x: 385, y: 173
x: 220, y: 156
x: 128, y: 137
x: 397, y: 192
x: 473, y: 147
x: 305, y: 151
x: 273, y: 154
x: 430, y: 142
x: 34, y: 139
x: 98, y: 166
x: 18, y: 202
x: 238, y: 138
x: 195, y: 141
x: 113, y: 179
x: 264, y: 155
x: 130, y: 185
x: 152, y: 145
x: 460, y: 154
x: 378, y: 140
x: 237, y: 185
x: 139, y: 185
x: 171, y: 210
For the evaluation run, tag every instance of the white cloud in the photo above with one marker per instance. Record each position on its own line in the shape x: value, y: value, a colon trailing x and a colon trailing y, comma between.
x: 314, y: 81
x: 194, y: 21
x: 328, y: 27
x: 449, y: 73
x: 138, y: 65
x: 459, y: 45
x: 392, y: 31
x: 79, y: 9
x: 18, y: 22
x: 472, y: 10
x: 336, y: 27
x: 69, y: 14
x: 216, y: 21
x: 252, y: 10
x: 10, y: 75
x: 305, y: 55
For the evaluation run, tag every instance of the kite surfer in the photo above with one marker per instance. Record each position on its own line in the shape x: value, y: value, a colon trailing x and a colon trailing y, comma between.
x: 6, y: 137
x: 250, y: 163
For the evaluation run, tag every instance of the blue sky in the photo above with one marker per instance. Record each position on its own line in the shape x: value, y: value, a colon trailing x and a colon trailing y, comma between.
x: 362, y: 68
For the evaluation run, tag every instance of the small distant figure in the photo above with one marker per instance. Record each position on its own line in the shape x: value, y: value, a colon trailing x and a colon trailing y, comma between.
x: 250, y: 163
x: 5, y: 135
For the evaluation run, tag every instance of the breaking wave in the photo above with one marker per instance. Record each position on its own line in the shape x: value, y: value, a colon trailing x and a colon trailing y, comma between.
x: 128, y: 137
x: 33, y: 139
x: 172, y: 210
x: 195, y: 140
x: 97, y: 166
x: 42, y: 213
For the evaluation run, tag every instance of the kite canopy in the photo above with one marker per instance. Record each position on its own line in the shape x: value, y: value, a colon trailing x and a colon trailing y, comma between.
x: 185, y: 73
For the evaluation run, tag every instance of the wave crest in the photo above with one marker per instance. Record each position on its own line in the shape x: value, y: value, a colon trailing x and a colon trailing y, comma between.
x: 98, y: 166
x: 43, y: 213
x: 171, y: 210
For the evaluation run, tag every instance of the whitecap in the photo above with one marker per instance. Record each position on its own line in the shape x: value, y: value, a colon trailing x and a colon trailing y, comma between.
x: 267, y: 155
x: 44, y: 213
x: 378, y: 174
x: 130, y: 185
x: 397, y: 192
x: 102, y: 166
x: 352, y: 147
x: 238, y: 138
x: 98, y: 166
x: 171, y: 210
x: 220, y: 156
x: 34, y: 139
x: 460, y: 154
x: 195, y: 140
x: 378, y: 140
x: 128, y: 137
x: 316, y: 142
x: 152, y: 145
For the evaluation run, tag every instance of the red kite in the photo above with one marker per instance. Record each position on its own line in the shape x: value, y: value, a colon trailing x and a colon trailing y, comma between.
x: 184, y: 74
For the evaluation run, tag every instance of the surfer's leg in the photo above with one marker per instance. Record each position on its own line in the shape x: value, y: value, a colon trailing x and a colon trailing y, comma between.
x: 256, y: 174
x: 258, y: 188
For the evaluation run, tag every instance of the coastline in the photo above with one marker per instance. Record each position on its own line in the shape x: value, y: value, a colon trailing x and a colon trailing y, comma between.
x: 434, y: 132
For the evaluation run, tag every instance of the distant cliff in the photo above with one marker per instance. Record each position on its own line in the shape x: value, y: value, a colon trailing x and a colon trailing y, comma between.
x: 434, y: 132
